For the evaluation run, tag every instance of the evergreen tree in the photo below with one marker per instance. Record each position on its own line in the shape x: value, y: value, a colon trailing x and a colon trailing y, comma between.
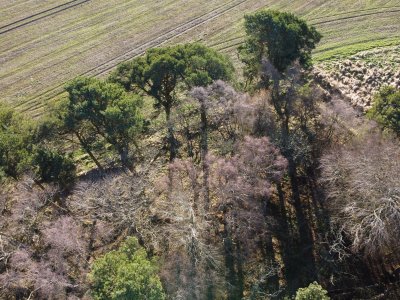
x: 161, y: 71
x: 102, y: 112
x: 279, y: 37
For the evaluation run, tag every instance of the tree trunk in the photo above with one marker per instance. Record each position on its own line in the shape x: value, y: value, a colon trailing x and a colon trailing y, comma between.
x: 240, y: 274
x: 171, y: 137
x: 292, y: 171
x: 86, y: 148
x: 193, y: 258
x: 38, y: 183
x: 204, y: 153
x: 91, y: 240
x: 206, y: 175
x: 230, y: 276
x: 124, y: 157
x: 230, y: 266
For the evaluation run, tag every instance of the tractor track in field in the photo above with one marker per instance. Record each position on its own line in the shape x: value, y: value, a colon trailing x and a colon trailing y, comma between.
x: 37, y: 102
x: 40, y: 15
x: 316, y: 23
x: 356, y: 16
x: 60, y: 33
x: 352, y: 11
x: 34, y: 103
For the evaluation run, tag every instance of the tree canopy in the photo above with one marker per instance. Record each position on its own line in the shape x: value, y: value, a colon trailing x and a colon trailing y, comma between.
x: 16, y: 142
x: 101, y: 111
x: 161, y: 71
x: 280, y: 37
x: 126, y: 273
x: 313, y: 292
x: 24, y: 148
x: 51, y: 166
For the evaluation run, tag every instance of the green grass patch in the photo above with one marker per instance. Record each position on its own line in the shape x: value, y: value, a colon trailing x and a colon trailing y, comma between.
x: 346, y: 51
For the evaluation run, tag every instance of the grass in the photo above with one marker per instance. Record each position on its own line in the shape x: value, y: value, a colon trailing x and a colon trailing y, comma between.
x: 91, y: 38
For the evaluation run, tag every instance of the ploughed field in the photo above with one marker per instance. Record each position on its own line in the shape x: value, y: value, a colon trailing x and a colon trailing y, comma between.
x: 43, y: 44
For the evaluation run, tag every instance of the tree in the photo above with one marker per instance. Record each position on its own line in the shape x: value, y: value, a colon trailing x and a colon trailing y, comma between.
x: 300, y: 133
x: 49, y: 267
x: 239, y: 188
x: 161, y: 71
x: 313, y: 292
x: 191, y: 261
x: 126, y: 273
x: 362, y: 181
x: 217, y: 108
x: 32, y: 279
x: 279, y: 37
x: 98, y: 111
x: 386, y: 109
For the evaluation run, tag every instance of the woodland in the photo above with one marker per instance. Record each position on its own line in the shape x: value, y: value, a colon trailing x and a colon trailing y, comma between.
x: 183, y: 175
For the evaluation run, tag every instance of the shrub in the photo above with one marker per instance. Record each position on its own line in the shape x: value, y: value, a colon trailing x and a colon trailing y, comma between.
x: 386, y: 109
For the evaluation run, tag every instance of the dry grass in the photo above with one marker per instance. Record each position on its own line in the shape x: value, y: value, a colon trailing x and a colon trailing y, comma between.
x: 81, y: 37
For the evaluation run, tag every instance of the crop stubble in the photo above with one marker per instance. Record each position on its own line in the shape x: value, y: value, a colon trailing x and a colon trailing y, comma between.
x: 91, y: 37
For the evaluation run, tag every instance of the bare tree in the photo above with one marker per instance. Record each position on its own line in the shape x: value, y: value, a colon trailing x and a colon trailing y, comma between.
x: 238, y: 189
x: 112, y: 207
x: 28, y: 277
x: 363, y: 182
x: 43, y: 255
x: 182, y: 229
x: 241, y: 186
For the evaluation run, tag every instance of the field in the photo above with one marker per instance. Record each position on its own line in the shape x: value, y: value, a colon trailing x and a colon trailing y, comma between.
x: 43, y: 44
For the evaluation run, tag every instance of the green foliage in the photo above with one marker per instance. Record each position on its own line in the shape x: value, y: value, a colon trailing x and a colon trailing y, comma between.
x: 164, y: 72
x: 16, y: 142
x: 386, y: 109
x: 19, y: 153
x: 280, y: 37
x: 102, y: 112
x: 51, y: 166
x: 126, y: 273
x: 161, y: 70
x: 313, y: 292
